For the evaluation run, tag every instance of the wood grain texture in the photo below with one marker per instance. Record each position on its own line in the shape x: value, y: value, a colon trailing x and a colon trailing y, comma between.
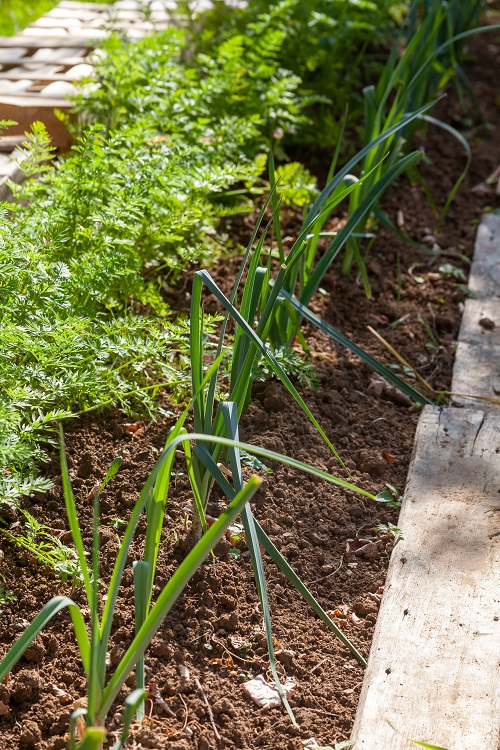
x: 477, y: 361
x: 31, y: 87
x: 433, y: 667
x: 35, y: 42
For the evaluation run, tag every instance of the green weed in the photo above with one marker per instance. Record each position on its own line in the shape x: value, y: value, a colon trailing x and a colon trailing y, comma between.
x: 6, y: 598
x: 46, y: 548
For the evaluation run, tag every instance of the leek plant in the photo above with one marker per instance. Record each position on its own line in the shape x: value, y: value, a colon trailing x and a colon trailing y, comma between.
x: 408, y: 82
x: 93, y: 646
x: 255, y: 317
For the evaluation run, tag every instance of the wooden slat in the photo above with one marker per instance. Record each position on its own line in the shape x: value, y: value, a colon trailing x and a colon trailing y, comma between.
x: 477, y: 360
x: 67, y: 4
x: 433, y: 667
x: 9, y: 142
x: 37, y: 76
x: 67, y: 62
x: 92, y: 35
x: 82, y: 14
x: 35, y: 100
x: 35, y: 42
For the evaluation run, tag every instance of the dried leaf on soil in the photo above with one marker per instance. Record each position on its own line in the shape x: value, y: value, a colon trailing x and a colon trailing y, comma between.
x: 365, y: 548
x: 265, y: 694
x: 358, y: 621
x: 155, y: 696
x: 132, y: 428
x: 378, y: 387
x: 63, y: 695
x: 377, y: 596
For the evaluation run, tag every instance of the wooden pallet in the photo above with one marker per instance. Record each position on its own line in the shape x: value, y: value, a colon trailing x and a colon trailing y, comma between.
x: 39, y: 66
x: 433, y: 671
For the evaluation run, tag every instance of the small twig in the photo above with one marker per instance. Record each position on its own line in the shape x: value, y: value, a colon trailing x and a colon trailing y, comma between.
x: 318, y: 665
x: 401, y: 360
x: 207, y: 704
x: 349, y: 691
x: 310, y: 583
x: 316, y: 710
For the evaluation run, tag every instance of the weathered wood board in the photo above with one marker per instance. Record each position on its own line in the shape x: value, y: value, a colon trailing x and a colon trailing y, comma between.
x: 38, y: 65
x: 433, y: 670
x: 477, y: 362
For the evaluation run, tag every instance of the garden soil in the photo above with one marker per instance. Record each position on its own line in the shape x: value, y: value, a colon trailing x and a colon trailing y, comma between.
x: 213, y: 640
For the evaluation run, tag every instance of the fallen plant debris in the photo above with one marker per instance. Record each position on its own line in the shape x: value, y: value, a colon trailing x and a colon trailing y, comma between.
x: 379, y: 387
x: 343, y: 616
x: 366, y: 548
x: 265, y: 694
x: 64, y: 697
x: 156, y: 699
x: 377, y: 596
x: 132, y: 428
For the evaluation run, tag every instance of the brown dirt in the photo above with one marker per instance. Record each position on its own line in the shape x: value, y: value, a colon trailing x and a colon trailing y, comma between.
x: 215, y: 629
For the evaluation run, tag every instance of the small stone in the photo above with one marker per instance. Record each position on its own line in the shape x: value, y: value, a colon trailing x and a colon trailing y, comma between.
x: 487, y: 324
x: 371, y: 463
x: 35, y: 652
x: 228, y: 621
x: 274, y: 398
x: 21, y: 624
x: 116, y: 655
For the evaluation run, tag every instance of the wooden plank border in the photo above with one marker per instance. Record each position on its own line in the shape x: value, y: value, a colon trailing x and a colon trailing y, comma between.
x: 477, y: 360
x: 433, y: 668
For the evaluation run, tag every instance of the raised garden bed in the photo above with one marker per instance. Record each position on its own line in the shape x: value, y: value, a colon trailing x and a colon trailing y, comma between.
x: 215, y: 630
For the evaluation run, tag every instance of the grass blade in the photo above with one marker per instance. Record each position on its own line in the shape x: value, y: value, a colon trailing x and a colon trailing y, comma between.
x: 463, y: 141
x: 272, y: 456
x: 278, y: 370
x: 278, y: 558
x: 113, y: 469
x: 416, y: 742
x: 285, y: 568
x: 388, y: 224
x: 357, y: 218
x: 405, y: 120
x: 95, y: 682
x: 131, y: 705
x: 92, y: 739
